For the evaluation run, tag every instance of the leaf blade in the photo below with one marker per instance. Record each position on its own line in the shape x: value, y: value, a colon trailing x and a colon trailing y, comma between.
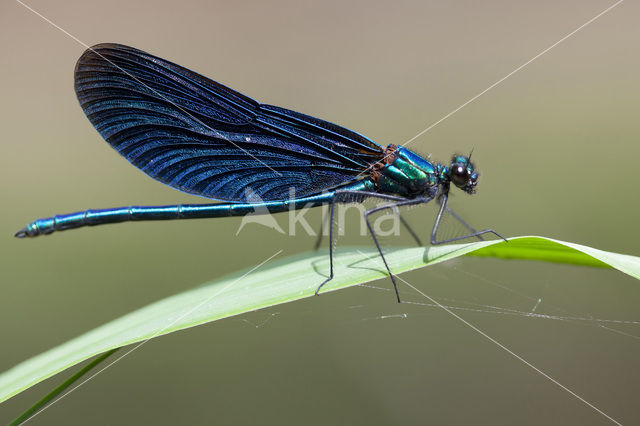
x: 293, y: 279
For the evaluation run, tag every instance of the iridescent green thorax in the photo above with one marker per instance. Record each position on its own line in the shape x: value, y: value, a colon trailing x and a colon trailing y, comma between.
x: 403, y: 172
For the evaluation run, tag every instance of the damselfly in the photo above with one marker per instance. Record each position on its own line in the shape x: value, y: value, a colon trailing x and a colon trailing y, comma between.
x: 201, y: 137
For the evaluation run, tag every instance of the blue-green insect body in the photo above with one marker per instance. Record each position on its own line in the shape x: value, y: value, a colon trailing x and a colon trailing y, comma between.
x: 403, y: 172
x: 203, y: 138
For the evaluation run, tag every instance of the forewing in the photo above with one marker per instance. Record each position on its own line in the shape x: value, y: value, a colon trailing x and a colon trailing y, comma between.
x: 201, y: 137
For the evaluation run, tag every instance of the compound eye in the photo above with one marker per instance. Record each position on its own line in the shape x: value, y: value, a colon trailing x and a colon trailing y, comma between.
x: 459, y: 174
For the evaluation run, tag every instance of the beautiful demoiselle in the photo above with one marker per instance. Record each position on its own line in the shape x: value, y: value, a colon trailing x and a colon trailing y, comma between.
x: 201, y: 137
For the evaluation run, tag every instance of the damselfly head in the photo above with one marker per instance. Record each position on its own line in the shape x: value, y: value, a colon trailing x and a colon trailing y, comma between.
x: 462, y: 173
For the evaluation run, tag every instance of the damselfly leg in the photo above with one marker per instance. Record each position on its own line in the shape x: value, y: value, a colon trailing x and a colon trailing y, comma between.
x: 396, y: 202
x: 403, y: 221
x: 474, y: 233
x: 349, y: 196
x: 392, y: 206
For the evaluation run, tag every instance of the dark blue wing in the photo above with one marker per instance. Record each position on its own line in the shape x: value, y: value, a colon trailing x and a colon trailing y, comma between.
x: 201, y: 137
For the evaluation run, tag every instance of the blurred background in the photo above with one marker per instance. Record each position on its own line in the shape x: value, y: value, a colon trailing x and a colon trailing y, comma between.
x: 556, y: 143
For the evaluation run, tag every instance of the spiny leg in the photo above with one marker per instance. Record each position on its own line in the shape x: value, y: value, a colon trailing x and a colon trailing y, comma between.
x: 344, y: 194
x: 474, y: 233
x: 457, y: 217
x: 332, y: 210
x: 316, y: 246
x: 375, y: 239
x: 402, y: 220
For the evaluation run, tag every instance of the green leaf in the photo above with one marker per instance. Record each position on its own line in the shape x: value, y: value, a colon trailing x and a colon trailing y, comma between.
x: 290, y: 279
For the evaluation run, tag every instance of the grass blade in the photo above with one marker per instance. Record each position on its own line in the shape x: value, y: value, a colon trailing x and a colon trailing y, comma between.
x: 292, y: 279
x: 33, y: 410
